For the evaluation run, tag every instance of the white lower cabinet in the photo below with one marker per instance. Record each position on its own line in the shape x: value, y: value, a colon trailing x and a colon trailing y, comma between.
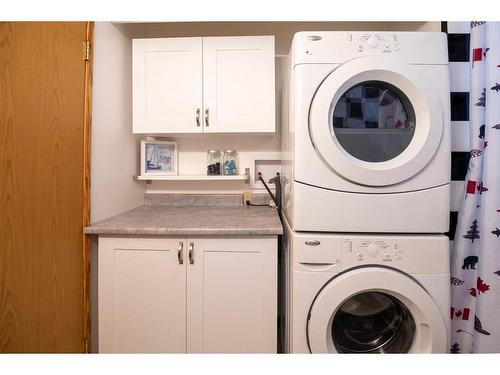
x: 141, y: 296
x: 194, y: 295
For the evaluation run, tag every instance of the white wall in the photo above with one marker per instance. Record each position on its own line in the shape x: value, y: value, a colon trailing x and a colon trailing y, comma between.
x: 114, y: 149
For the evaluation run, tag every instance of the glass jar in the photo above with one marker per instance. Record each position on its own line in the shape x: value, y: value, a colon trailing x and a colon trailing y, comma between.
x: 230, y: 162
x: 214, y: 163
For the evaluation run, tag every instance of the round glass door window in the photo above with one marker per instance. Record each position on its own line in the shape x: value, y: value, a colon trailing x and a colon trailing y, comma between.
x: 373, y: 121
x: 373, y: 322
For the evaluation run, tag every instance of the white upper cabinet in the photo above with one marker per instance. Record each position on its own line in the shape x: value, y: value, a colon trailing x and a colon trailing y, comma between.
x: 167, y: 92
x: 211, y: 85
x: 238, y: 84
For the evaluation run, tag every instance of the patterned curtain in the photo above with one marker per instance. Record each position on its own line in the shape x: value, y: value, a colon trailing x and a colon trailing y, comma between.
x: 475, y: 261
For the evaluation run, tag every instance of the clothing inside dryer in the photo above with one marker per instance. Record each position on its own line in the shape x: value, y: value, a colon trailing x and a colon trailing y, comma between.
x: 373, y: 121
x: 373, y: 322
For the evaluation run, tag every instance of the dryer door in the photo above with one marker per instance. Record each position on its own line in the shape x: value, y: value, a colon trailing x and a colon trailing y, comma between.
x: 375, y: 310
x: 376, y: 121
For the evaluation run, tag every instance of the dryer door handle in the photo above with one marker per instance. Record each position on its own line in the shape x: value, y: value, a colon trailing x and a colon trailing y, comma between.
x: 312, y: 264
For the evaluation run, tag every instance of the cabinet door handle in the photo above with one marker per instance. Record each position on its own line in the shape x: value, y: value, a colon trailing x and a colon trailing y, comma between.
x: 191, y: 253
x: 180, y: 252
x: 197, y: 117
x: 206, y: 118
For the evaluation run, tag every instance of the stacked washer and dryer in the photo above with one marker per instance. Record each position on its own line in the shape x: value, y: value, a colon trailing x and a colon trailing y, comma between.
x: 366, y: 173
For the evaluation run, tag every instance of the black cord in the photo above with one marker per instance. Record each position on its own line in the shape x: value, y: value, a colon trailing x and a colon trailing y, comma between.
x: 273, y: 197
x: 276, y: 180
x: 256, y: 205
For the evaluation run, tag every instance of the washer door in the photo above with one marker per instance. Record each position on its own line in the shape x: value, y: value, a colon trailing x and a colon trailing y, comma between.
x: 376, y: 120
x: 375, y: 310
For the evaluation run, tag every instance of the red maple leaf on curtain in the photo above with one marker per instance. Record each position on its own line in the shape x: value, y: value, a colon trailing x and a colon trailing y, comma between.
x: 481, y: 287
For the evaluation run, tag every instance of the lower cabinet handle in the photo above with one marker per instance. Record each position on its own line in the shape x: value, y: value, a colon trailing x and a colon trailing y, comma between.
x: 191, y: 253
x: 180, y: 252
x: 197, y: 117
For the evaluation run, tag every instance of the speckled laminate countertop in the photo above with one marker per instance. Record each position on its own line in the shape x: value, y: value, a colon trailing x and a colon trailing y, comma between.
x: 160, y: 220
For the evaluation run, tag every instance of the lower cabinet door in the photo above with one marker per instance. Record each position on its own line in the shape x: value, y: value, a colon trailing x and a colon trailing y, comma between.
x: 142, y: 295
x: 232, y: 295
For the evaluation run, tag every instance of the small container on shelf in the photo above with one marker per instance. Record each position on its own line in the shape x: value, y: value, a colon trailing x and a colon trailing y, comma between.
x: 214, y: 163
x: 230, y: 162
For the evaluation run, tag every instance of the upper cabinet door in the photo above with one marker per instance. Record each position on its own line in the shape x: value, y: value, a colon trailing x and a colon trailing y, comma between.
x: 167, y: 85
x: 238, y: 84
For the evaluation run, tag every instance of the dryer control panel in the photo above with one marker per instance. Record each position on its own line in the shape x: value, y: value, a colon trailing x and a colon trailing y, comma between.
x: 371, y: 251
x: 411, y: 253
x: 375, y: 42
x: 338, y: 47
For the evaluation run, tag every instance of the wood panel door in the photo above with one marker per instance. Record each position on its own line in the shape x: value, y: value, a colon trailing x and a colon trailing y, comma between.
x: 44, y: 83
x: 232, y: 295
x: 167, y: 85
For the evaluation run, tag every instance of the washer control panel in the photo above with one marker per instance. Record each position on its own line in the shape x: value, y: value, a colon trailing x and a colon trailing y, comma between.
x: 368, y: 42
x: 371, y: 251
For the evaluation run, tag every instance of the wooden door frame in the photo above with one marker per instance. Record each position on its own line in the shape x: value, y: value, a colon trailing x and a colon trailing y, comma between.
x: 87, y: 126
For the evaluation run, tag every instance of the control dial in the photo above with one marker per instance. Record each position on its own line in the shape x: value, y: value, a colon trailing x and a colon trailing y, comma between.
x: 372, y: 41
x: 373, y: 250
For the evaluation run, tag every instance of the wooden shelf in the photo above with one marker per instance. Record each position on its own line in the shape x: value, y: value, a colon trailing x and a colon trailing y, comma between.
x: 241, y: 177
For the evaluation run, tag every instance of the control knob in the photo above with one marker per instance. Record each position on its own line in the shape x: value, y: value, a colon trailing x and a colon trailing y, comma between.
x: 372, y: 42
x: 373, y: 250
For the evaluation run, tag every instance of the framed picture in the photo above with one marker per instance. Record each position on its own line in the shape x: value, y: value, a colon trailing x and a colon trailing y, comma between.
x: 158, y: 158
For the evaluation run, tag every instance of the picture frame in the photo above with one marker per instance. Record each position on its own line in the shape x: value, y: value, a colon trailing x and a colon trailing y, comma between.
x: 158, y: 158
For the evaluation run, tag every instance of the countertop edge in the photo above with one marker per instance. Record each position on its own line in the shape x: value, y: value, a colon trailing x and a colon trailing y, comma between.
x: 181, y: 231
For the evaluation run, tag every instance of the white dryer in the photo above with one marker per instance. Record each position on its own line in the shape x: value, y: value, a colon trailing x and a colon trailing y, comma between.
x: 365, y: 137
x: 349, y: 293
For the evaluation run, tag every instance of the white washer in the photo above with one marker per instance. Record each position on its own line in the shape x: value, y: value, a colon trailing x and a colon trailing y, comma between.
x: 353, y: 293
x: 366, y: 138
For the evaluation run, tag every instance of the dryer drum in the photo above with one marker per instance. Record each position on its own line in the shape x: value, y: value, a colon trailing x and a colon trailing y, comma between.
x: 373, y: 121
x: 373, y: 322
